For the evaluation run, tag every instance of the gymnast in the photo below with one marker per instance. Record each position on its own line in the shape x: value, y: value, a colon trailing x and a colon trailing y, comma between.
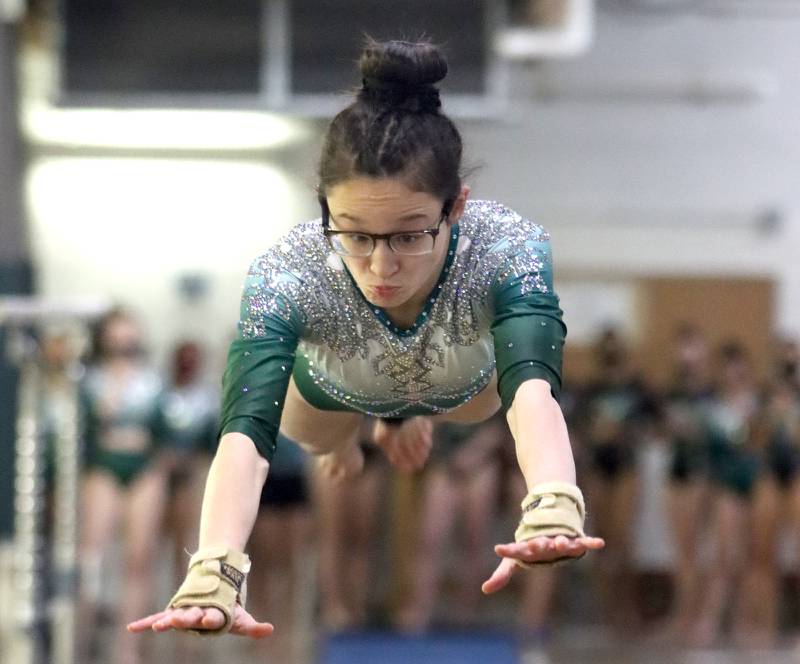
x: 406, y: 302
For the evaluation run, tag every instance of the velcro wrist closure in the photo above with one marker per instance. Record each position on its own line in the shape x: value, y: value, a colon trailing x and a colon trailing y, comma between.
x: 216, y: 578
x: 551, y: 509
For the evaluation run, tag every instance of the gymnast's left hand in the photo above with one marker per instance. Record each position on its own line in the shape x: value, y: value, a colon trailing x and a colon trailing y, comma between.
x: 537, y: 550
x: 406, y: 446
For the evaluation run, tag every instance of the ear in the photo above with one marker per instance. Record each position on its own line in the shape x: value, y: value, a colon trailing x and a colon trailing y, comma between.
x: 458, y: 205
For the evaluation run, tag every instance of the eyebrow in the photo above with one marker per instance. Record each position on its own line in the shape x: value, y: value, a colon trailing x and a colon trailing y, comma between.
x: 412, y: 216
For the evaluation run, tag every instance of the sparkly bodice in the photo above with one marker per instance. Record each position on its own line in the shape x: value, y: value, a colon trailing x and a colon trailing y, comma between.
x: 121, y: 416
x: 348, y: 355
x: 189, y: 415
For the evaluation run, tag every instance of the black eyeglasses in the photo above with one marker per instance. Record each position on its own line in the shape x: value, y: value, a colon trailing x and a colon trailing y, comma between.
x: 361, y: 245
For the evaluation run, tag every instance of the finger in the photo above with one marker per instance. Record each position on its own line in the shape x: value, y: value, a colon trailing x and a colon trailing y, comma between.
x: 424, y: 446
x: 395, y: 458
x: 403, y: 453
x: 533, y: 548
x: 379, y: 431
x: 540, y: 546
x: 573, y: 548
x: 212, y: 619
x: 246, y: 625
x: 144, y: 624
x: 593, y: 543
x: 425, y: 426
x: 163, y: 625
x: 187, y: 618
x: 421, y: 448
x: 404, y: 456
x: 418, y: 456
x: 566, y: 546
x: 167, y: 622
x: 540, y: 549
x: 422, y: 429
x: 425, y: 438
x: 500, y: 577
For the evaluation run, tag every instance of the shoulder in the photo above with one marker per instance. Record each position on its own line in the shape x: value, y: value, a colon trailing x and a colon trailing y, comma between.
x: 489, y: 223
x: 283, y: 281
x: 504, y: 247
x: 299, y: 251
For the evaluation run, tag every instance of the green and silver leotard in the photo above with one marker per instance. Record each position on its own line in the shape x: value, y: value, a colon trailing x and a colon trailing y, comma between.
x: 121, y: 422
x: 302, y: 314
x: 733, y: 465
x: 189, y: 418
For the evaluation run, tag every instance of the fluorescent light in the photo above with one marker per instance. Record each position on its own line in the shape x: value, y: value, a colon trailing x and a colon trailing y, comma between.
x: 158, y: 129
x: 137, y: 219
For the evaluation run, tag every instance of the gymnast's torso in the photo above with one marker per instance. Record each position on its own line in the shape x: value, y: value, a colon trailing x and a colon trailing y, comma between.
x: 300, y: 304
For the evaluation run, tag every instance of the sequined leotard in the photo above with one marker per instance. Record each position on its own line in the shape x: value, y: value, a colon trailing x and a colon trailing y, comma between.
x: 303, y: 315
x: 121, y: 425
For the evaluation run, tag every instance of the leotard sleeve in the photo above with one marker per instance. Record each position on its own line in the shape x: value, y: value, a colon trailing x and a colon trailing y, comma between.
x: 260, y: 360
x: 527, y: 324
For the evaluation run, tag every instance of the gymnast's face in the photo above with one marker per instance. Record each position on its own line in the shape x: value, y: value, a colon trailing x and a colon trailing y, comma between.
x: 399, y: 284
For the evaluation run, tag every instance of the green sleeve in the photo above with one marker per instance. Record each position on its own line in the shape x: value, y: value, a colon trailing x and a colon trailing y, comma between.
x: 260, y: 361
x: 527, y: 326
x: 210, y: 439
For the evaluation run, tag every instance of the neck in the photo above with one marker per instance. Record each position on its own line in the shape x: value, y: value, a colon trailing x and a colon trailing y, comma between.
x: 405, y: 315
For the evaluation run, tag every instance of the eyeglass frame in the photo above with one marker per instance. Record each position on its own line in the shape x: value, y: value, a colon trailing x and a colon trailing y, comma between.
x: 327, y: 231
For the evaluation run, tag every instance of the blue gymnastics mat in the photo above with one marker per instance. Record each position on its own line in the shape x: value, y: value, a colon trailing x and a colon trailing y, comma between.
x: 388, y: 648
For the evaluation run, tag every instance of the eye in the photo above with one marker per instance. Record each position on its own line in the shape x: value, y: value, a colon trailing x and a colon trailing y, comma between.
x: 408, y: 239
x: 357, y: 238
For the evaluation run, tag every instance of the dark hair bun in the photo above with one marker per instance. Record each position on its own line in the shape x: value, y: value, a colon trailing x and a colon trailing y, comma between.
x: 402, y: 74
x: 406, y: 63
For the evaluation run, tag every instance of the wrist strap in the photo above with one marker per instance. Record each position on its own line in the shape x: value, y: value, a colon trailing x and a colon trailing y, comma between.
x: 549, y: 510
x: 216, y: 578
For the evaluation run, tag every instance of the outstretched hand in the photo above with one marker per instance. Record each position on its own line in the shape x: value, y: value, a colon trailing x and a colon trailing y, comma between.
x: 199, y: 618
x: 536, y: 550
x: 408, y: 445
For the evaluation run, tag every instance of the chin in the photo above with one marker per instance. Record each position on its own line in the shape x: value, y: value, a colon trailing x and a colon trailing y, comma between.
x: 384, y: 301
x: 387, y: 301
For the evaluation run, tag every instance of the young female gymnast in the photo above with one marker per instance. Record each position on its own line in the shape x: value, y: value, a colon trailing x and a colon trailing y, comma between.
x: 406, y: 302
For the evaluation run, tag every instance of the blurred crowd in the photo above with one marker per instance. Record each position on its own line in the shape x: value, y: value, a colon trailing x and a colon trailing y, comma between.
x: 410, y: 552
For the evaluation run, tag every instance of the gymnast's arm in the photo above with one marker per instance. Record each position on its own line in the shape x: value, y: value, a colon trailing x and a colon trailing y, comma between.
x: 544, y: 455
x: 230, y: 506
x: 233, y: 489
x: 529, y: 336
x: 540, y: 435
x: 254, y: 389
x: 256, y: 379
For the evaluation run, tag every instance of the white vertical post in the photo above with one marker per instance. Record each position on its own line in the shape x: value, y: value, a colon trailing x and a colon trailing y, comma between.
x: 64, y: 547
x: 29, y: 569
x: 33, y: 580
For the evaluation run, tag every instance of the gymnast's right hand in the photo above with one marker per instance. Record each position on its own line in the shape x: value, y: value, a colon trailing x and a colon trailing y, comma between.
x: 202, y: 618
x: 210, y: 599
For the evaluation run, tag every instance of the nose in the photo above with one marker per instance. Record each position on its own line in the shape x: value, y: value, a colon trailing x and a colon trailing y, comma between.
x: 383, y: 261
